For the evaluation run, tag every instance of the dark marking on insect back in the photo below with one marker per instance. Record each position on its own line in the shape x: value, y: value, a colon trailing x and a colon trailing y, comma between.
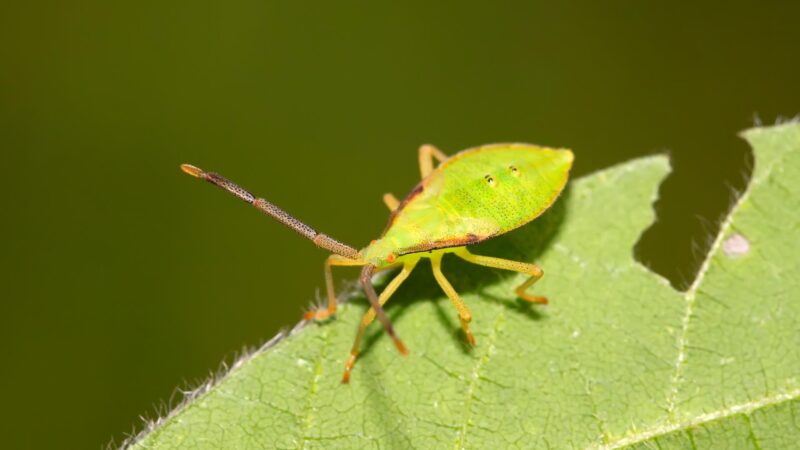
x: 469, y: 239
x: 418, y: 189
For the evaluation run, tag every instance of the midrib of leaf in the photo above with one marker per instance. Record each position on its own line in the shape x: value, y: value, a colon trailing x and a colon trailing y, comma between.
x: 683, y: 342
x: 691, y: 293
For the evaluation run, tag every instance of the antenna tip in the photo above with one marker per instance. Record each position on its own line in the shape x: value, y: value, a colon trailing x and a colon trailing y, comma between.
x: 192, y: 170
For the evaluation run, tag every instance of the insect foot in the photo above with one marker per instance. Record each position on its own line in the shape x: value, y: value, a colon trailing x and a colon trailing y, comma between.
x: 319, y: 314
x: 471, y: 338
x: 466, y: 318
x: 542, y: 300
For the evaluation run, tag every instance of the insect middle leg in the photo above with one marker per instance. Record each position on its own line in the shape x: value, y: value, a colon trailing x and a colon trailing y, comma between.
x: 427, y: 153
x: 463, y: 312
x: 369, y: 316
x: 332, y: 260
x: 533, y: 270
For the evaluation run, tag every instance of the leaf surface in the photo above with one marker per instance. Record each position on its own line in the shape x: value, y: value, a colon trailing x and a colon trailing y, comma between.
x: 619, y: 358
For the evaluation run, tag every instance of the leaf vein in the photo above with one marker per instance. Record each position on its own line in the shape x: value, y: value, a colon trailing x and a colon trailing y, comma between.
x: 724, y: 413
x: 691, y: 293
x: 461, y: 438
x: 308, y: 416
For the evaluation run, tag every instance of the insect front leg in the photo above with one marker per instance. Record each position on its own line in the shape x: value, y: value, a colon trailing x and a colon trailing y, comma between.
x: 533, y: 270
x: 332, y: 260
x: 369, y: 316
x: 463, y: 312
x: 427, y: 153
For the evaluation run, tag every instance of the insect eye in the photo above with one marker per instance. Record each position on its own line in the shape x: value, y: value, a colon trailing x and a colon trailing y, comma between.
x: 514, y: 170
x: 391, y: 258
x: 489, y: 179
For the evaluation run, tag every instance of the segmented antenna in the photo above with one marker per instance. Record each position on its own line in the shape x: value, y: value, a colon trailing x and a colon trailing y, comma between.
x: 320, y: 239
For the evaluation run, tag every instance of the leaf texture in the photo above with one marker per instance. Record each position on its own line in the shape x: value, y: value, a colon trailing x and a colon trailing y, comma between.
x: 619, y: 358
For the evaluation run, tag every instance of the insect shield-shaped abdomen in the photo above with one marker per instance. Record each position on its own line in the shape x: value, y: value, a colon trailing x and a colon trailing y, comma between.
x: 501, y: 195
x: 524, y: 182
x: 483, y: 192
x: 509, y: 185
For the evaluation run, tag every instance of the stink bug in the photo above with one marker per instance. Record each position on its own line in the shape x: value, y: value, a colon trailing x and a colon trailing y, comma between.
x: 474, y: 195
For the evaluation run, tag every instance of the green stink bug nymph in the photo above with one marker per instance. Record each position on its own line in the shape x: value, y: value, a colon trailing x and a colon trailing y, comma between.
x: 474, y: 195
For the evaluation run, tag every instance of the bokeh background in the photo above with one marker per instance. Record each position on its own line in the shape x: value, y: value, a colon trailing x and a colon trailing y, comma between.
x: 123, y: 279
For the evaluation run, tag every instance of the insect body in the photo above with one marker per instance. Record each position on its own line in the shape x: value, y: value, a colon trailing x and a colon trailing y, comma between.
x: 471, y: 196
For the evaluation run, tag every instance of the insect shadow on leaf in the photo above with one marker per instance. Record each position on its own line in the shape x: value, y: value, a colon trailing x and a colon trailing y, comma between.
x: 527, y: 243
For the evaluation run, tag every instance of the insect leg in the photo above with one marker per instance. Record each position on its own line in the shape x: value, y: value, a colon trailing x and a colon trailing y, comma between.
x: 332, y: 260
x: 391, y: 201
x: 463, y: 312
x: 426, y: 155
x: 369, y: 316
x: 533, y: 270
x: 366, y: 283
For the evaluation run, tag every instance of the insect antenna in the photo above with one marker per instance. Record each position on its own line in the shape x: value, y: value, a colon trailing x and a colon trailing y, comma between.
x: 372, y: 296
x: 320, y: 239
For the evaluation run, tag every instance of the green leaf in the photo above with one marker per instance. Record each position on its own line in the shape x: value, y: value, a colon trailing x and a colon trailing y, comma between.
x: 618, y: 357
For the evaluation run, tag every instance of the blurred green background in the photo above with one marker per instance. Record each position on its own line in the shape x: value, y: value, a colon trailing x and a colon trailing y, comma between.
x: 123, y: 279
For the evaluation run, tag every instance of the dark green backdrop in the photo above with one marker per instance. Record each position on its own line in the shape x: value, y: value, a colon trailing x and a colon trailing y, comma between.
x: 123, y: 279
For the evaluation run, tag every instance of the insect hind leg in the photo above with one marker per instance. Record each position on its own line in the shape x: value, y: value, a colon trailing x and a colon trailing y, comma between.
x: 533, y: 270
x: 427, y: 153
